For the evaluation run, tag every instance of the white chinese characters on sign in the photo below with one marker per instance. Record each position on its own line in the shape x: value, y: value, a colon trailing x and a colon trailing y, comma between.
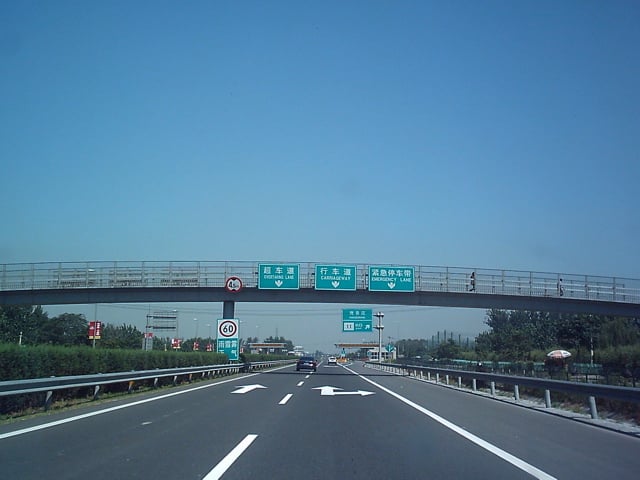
x: 390, y: 273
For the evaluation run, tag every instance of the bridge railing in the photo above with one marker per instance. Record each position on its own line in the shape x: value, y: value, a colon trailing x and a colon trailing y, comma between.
x: 73, y: 275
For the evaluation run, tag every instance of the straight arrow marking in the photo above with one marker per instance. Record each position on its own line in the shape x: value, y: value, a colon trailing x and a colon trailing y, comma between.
x: 332, y: 391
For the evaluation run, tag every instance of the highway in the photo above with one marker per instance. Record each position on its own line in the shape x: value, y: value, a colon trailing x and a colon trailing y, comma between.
x: 339, y: 422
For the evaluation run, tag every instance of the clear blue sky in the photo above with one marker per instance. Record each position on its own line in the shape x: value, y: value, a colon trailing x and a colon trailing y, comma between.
x: 493, y: 134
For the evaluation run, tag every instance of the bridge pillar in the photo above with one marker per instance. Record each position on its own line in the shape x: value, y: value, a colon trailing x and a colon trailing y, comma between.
x: 228, y: 309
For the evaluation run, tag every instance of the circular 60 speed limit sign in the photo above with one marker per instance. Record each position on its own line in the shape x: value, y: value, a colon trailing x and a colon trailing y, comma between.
x: 227, y: 328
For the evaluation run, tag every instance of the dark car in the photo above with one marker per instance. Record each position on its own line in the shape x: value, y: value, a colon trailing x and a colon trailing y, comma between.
x: 306, y: 363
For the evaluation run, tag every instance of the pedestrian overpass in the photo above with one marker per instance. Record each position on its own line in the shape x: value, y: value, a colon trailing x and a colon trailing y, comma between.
x: 59, y: 283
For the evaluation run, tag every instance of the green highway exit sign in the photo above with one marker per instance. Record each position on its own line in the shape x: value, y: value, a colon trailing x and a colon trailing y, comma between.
x: 278, y: 276
x: 391, y: 279
x: 335, y: 277
x: 357, y: 320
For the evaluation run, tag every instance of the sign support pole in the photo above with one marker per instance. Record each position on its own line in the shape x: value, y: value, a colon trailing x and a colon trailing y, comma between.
x: 228, y: 309
x: 95, y: 318
x: 379, y: 327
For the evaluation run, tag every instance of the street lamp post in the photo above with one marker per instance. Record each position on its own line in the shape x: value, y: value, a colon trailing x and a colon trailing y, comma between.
x: 379, y: 327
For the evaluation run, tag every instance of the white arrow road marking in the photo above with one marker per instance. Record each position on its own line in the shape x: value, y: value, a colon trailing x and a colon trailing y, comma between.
x: 335, y: 283
x: 247, y: 388
x: 231, y: 457
x: 331, y: 391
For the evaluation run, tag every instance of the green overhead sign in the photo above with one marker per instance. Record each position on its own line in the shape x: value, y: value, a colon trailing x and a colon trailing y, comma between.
x: 279, y: 276
x: 391, y: 279
x: 335, y: 277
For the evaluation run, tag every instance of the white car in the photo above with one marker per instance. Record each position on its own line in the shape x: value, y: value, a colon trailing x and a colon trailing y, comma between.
x: 332, y: 361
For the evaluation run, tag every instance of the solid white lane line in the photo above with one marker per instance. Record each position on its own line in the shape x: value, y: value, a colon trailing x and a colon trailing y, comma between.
x: 513, y: 460
x: 300, y: 384
x: 231, y: 457
x: 285, y: 399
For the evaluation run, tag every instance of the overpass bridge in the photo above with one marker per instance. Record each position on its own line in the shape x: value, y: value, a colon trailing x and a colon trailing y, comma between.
x: 59, y: 283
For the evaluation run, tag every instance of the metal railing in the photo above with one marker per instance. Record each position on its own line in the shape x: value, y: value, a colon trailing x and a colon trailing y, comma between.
x: 51, y: 384
x: 90, y: 275
x: 589, y: 390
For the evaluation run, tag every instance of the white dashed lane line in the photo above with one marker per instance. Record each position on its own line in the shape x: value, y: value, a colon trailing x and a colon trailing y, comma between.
x: 231, y: 457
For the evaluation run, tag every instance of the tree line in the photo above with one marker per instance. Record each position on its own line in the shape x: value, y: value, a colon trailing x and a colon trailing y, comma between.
x: 31, y: 325
x: 515, y: 336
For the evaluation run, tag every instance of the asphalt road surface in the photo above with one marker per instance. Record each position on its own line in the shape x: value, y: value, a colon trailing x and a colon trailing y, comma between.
x: 341, y: 422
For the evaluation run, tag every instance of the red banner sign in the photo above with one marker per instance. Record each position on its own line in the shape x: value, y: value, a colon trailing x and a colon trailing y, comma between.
x: 95, y: 330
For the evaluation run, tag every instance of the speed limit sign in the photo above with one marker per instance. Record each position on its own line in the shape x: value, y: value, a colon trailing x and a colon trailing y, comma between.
x: 228, y: 328
x: 233, y: 284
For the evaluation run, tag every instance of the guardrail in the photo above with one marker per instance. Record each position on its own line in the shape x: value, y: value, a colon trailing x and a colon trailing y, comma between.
x: 590, y: 390
x: 51, y: 384
x: 115, y: 274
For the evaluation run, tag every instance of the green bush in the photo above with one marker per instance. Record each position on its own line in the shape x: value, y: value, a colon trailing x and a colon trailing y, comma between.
x: 28, y: 362
x: 24, y: 362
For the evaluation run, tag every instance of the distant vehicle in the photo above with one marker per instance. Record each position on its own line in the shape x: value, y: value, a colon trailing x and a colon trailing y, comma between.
x: 306, y: 363
x: 332, y: 361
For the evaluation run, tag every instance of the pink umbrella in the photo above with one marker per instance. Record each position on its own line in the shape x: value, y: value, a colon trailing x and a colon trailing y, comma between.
x: 559, y: 354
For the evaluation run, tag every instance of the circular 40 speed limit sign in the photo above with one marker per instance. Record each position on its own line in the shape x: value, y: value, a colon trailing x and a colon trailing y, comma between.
x: 227, y: 328
x: 233, y: 284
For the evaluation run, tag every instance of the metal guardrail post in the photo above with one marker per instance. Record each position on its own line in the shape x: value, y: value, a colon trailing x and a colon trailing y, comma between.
x: 547, y: 399
x: 516, y: 393
x: 47, y: 400
x: 96, y: 392
x: 493, y: 389
x: 593, y: 409
x: 474, y: 385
